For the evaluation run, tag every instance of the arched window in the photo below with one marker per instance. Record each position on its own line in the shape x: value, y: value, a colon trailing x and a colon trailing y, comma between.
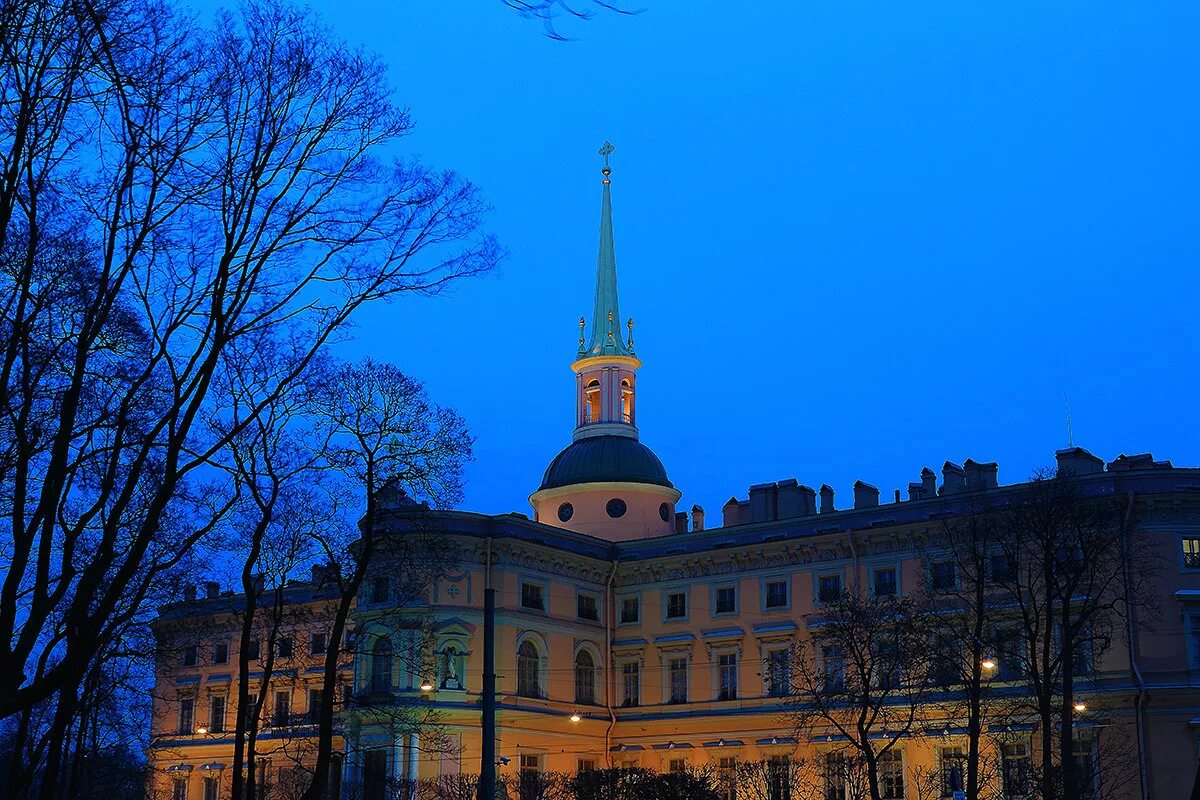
x: 381, y: 665
x: 626, y: 401
x: 591, y: 398
x: 585, y: 678
x: 527, y: 670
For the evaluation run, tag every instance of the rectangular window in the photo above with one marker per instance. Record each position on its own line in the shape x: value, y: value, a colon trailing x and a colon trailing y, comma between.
x: 211, y: 786
x: 588, y: 608
x: 220, y: 652
x: 941, y: 576
x: 727, y: 666
x: 837, y: 776
x: 1002, y: 568
x: 315, y: 698
x: 779, y: 784
x: 727, y: 769
x: 677, y: 670
x: 1083, y: 763
x: 585, y: 765
x: 891, y: 775
x: 631, y: 680
x: 833, y: 661
x: 531, y: 597
x: 1017, y: 770
x: 216, y: 713
x: 777, y: 596
x: 179, y: 789
x: 1191, y: 553
x: 779, y: 666
x: 318, y: 644
x: 283, y: 709
x: 676, y: 605
x: 529, y: 778
x: 253, y: 649
x: 250, y: 716
x: 630, y: 610
x: 187, y: 715
x: 379, y: 589
x: 885, y: 582
x: 283, y: 647
x: 726, y: 600
x: 190, y: 656
x: 678, y: 765
x: 952, y: 763
x: 829, y: 588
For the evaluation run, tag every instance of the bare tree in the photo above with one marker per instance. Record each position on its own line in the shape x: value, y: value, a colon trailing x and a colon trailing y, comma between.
x: 863, y: 675
x: 175, y: 202
x: 1081, y: 566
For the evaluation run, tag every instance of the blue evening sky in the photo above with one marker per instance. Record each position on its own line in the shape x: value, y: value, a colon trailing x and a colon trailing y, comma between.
x: 857, y: 238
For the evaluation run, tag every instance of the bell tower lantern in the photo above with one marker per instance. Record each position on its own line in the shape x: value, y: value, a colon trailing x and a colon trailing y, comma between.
x: 606, y: 483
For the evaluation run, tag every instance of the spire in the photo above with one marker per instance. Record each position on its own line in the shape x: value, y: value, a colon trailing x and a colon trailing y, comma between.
x: 607, y: 339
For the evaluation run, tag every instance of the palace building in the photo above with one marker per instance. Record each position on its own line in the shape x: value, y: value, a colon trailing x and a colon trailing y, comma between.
x: 630, y: 633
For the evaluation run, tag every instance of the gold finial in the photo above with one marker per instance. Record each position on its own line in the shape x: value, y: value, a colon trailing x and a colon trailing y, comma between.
x: 581, y: 331
x: 606, y: 150
x: 630, y: 324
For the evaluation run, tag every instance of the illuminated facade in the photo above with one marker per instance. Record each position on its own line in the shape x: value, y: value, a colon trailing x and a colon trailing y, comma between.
x: 627, y: 635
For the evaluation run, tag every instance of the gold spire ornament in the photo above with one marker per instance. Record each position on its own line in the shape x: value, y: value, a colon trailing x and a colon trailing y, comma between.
x: 606, y: 150
x: 581, y: 331
x: 630, y: 324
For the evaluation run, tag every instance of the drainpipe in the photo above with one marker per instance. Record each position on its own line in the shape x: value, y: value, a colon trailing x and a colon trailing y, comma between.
x: 1139, y: 702
x: 610, y: 676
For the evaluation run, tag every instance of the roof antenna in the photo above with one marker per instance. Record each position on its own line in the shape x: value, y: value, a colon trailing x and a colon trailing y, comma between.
x: 1070, y: 434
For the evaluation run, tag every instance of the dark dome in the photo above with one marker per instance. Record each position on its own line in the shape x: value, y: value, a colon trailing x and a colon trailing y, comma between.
x: 605, y: 458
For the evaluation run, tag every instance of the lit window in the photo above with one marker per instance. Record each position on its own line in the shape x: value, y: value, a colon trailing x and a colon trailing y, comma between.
x: 531, y: 597
x: 777, y: 596
x: 1191, y: 553
x: 676, y: 605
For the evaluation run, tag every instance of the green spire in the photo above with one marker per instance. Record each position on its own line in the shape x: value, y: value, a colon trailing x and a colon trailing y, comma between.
x: 608, y: 339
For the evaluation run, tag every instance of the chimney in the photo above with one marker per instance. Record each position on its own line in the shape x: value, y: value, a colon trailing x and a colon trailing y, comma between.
x: 826, y: 498
x: 212, y: 589
x: 764, y: 502
x: 897, y: 495
x: 865, y: 495
x: 808, y: 500
x: 189, y: 592
x: 681, y: 522
x: 954, y: 480
x: 788, y: 500
x: 697, y: 519
x: 729, y: 513
x: 928, y: 483
x: 1077, y: 461
x: 980, y: 476
x: 916, y: 491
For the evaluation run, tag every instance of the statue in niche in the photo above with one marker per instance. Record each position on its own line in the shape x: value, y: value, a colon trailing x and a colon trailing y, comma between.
x: 450, y: 677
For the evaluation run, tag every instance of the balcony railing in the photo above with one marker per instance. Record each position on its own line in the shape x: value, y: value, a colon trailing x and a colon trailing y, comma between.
x: 622, y: 417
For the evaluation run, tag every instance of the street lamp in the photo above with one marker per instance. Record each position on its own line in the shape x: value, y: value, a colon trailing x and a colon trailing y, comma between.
x: 1080, y: 706
x: 988, y: 663
x: 426, y: 685
x: 575, y: 716
x: 200, y: 729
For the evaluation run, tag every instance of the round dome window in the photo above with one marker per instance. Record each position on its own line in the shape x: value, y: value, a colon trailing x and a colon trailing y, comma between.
x: 664, y: 511
x: 615, y: 507
x: 565, y: 511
